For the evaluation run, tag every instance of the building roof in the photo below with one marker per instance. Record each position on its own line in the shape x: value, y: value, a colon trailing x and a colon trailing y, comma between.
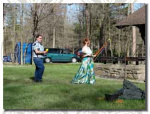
x: 134, y: 19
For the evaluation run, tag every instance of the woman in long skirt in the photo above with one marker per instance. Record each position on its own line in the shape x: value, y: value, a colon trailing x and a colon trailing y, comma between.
x: 85, y: 73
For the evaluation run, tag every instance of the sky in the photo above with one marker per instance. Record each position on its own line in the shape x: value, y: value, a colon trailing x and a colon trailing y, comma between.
x: 72, y: 11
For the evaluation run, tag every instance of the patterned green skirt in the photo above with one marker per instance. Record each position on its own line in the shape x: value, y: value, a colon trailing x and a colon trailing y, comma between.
x: 85, y: 73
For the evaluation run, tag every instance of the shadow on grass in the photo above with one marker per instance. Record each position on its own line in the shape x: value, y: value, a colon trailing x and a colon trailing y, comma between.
x: 58, y: 93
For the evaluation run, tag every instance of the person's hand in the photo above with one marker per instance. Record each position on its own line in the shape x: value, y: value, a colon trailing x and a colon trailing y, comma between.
x: 83, y: 56
x: 94, y: 55
x: 45, y: 52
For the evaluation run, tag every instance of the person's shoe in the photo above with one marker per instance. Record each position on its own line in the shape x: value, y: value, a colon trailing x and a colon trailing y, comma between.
x: 35, y: 80
x: 38, y: 81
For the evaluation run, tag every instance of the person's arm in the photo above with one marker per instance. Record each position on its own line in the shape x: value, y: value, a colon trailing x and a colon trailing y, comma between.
x: 40, y: 52
x: 84, y: 52
x: 87, y: 54
x: 36, y: 49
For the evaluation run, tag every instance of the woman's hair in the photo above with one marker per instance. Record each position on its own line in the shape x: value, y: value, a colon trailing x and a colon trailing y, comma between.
x: 86, y: 40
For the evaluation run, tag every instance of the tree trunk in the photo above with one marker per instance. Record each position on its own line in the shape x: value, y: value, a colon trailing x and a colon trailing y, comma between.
x: 54, y: 27
x: 111, y: 53
x: 119, y: 46
x: 134, y: 42
x: 4, y: 44
x: 90, y: 29
x: 35, y: 24
x: 128, y: 44
x: 54, y: 32
x: 35, y: 20
x: 14, y: 33
x: 101, y: 34
x: 21, y: 25
x: 80, y: 32
x: 87, y: 21
x: 134, y: 35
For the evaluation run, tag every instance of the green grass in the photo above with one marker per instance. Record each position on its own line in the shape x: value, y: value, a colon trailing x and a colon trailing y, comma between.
x: 56, y: 92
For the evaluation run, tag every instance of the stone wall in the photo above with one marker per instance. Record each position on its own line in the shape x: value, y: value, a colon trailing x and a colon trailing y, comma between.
x: 136, y: 72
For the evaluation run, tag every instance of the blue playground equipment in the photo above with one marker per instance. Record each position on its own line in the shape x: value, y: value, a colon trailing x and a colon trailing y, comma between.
x: 27, y: 53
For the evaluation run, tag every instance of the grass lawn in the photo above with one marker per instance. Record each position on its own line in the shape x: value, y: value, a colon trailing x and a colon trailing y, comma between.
x: 56, y: 92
